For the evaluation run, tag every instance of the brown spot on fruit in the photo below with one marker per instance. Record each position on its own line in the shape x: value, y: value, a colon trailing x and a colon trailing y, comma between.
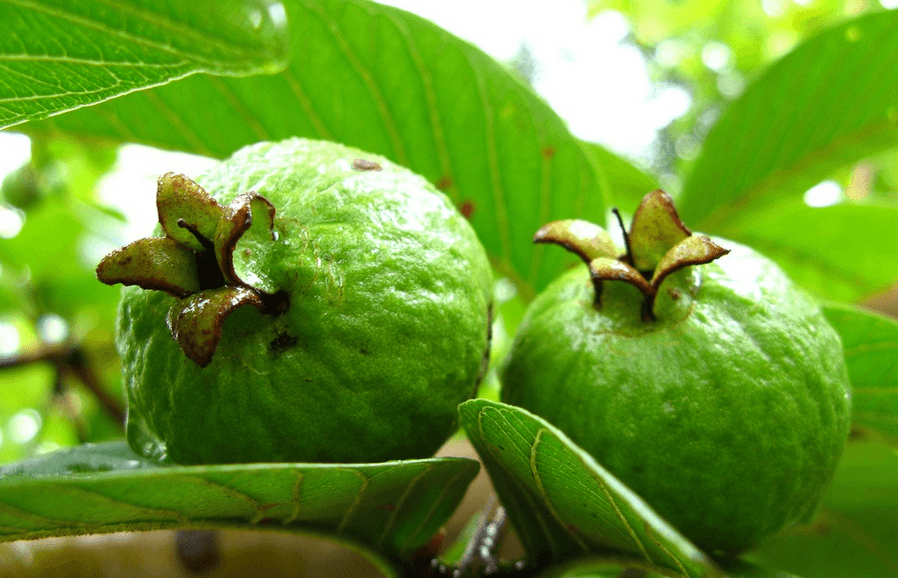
x: 365, y: 165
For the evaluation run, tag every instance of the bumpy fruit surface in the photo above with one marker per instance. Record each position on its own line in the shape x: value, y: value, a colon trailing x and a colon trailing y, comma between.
x: 369, y: 324
x: 727, y: 412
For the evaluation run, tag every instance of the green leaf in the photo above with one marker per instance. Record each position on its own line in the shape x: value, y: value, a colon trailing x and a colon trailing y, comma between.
x: 392, y: 508
x: 871, y: 353
x: 388, y: 82
x: 600, y: 568
x: 563, y: 504
x: 842, y: 252
x: 57, y: 55
x: 624, y: 183
x: 856, y: 532
x: 742, y: 569
x: 830, y: 102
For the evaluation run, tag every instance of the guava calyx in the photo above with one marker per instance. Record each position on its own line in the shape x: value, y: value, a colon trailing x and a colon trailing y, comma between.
x: 657, y: 244
x: 195, y: 262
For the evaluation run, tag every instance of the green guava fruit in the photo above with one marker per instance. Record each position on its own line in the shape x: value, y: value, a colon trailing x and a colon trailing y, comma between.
x: 317, y: 304
x: 706, y: 382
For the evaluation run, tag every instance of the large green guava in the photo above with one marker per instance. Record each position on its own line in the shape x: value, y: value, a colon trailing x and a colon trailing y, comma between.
x: 308, y: 302
x: 718, y: 392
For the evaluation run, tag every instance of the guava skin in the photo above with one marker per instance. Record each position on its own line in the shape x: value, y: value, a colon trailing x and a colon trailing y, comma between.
x: 728, y: 414
x: 385, y: 327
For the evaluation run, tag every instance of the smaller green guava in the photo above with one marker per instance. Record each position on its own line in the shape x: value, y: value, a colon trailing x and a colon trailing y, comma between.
x: 306, y: 302
x: 707, y: 382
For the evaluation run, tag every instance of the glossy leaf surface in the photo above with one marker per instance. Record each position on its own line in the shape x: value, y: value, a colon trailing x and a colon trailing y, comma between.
x: 57, y: 56
x: 393, y: 507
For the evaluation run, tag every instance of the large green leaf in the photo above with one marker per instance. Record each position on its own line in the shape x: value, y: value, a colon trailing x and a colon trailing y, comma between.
x: 871, y: 353
x: 856, y: 533
x: 831, y: 102
x: 563, y: 504
x: 392, y: 508
x: 386, y: 81
x: 57, y: 55
x: 840, y: 252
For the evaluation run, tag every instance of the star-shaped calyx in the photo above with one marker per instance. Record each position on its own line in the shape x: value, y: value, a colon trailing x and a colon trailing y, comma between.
x: 197, y: 261
x: 657, y: 245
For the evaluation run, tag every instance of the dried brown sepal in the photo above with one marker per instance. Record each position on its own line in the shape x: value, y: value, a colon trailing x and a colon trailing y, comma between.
x: 196, y: 321
x: 694, y: 250
x: 605, y: 269
x: 157, y: 263
x: 248, y: 213
x: 587, y: 240
x: 656, y: 228
x: 186, y: 211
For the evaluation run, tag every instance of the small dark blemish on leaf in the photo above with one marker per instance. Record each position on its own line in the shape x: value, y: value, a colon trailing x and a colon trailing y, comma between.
x: 444, y: 183
x: 548, y: 152
x: 466, y: 209
x: 308, y: 380
x: 365, y: 165
x: 281, y: 343
x: 364, y: 352
x: 388, y: 507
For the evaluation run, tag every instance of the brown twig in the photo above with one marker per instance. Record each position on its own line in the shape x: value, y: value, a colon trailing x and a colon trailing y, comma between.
x: 70, y: 358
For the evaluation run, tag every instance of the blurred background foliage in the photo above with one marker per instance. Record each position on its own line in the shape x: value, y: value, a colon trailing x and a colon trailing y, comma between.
x: 60, y: 383
x: 714, y: 50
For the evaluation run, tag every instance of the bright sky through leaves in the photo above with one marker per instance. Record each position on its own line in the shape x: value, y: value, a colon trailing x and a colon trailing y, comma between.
x: 577, y: 61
